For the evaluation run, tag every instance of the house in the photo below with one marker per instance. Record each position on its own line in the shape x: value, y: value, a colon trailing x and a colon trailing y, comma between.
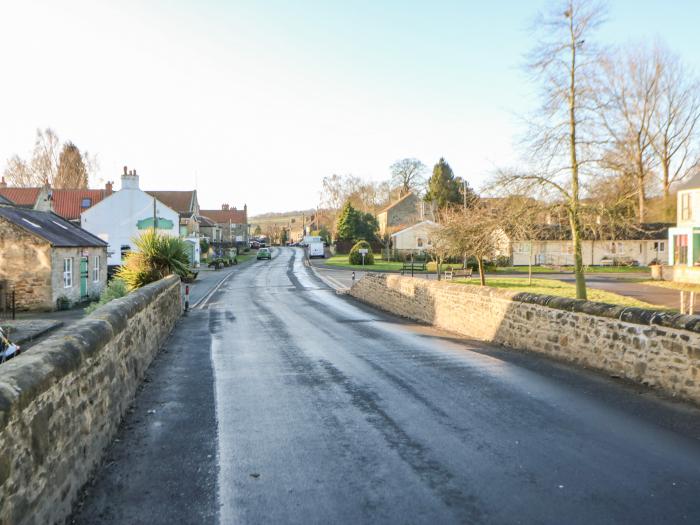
x: 414, y: 239
x: 185, y: 203
x: 552, y: 245
x: 233, y: 223
x: 684, y: 237
x: 68, y: 203
x: 48, y: 261
x: 122, y: 216
x: 406, y: 211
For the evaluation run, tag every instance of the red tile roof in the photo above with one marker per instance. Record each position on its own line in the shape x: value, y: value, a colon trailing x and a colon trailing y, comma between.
x: 20, y: 196
x: 226, y: 216
x: 66, y: 202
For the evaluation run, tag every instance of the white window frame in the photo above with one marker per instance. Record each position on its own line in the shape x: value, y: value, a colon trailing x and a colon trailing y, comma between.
x: 96, y: 269
x: 686, y: 207
x: 68, y: 272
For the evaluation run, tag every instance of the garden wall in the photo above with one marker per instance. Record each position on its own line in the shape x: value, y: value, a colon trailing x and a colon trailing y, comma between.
x: 62, y: 401
x: 655, y: 348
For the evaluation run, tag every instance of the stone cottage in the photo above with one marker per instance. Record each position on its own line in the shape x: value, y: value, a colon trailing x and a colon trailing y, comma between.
x: 233, y: 223
x: 405, y: 212
x: 48, y: 261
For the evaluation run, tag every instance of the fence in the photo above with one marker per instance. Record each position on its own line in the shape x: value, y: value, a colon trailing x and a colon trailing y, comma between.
x: 8, y: 304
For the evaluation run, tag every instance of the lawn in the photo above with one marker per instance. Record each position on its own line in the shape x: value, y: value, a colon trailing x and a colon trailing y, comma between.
x: 570, y: 269
x: 559, y: 289
x: 341, y: 261
x: 244, y: 257
x: 686, y: 287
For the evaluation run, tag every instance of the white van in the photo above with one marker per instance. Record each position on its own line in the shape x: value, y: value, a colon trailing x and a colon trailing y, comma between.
x: 316, y: 249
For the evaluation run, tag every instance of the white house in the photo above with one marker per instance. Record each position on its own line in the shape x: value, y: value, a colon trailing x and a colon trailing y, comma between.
x: 685, y: 237
x: 415, y: 238
x: 121, y: 217
x: 644, y: 244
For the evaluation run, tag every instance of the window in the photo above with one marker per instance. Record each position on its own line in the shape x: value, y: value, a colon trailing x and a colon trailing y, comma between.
x: 96, y: 269
x: 686, y: 209
x: 659, y: 246
x: 67, y: 272
x: 86, y: 203
x: 419, y: 242
x: 681, y: 249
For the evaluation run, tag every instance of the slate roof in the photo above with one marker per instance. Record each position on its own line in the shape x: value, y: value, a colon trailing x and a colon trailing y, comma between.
x: 690, y: 184
x: 180, y: 201
x: 49, y: 226
x: 5, y: 200
x: 65, y: 202
x: 224, y: 216
x: 634, y: 232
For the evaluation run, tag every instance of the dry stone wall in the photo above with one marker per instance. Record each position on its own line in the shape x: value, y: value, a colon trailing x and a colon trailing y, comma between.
x: 655, y: 348
x: 62, y: 401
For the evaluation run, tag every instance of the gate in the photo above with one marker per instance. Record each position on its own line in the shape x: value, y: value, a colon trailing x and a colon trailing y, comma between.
x: 83, y: 278
x: 8, y: 305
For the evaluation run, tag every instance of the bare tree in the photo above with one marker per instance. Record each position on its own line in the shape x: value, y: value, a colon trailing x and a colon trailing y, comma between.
x: 407, y: 175
x: 522, y: 219
x: 675, y: 125
x: 44, y: 162
x: 563, y: 135
x: 630, y: 96
x: 19, y: 173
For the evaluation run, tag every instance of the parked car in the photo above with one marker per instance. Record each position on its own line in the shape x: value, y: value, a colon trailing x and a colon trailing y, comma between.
x: 264, y: 253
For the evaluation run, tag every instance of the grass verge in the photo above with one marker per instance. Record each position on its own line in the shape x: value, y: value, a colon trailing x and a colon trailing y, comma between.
x: 570, y: 269
x: 559, y: 289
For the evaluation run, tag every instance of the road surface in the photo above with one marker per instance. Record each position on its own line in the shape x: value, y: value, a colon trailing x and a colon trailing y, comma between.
x: 279, y: 401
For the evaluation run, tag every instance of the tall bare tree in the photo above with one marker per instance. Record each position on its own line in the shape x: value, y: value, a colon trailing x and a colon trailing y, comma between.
x: 563, y: 134
x: 630, y: 90
x: 676, y: 124
x: 407, y: 175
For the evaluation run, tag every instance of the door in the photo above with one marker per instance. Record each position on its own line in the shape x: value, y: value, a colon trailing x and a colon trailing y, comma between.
x: 83, y: 277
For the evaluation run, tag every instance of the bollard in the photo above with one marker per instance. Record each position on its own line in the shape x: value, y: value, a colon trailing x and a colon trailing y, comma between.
x: 353, y: 277
x: 187, y: 297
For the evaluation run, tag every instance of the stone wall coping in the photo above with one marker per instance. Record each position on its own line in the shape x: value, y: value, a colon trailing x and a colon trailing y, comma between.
x: 641, y: 316
x: 27, y: 376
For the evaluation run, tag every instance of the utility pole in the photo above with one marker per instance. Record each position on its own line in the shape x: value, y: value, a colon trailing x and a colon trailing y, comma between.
x: 155, y: 216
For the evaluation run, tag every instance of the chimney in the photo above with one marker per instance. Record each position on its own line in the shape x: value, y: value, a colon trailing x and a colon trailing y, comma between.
x: 3, y: 184
x: 130, y: 180
x: 108, y: 188
x: 225, y: 207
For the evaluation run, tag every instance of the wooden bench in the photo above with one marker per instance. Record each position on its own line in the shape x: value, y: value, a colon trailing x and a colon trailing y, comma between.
x: 413, y: 266
x: 451, y: 273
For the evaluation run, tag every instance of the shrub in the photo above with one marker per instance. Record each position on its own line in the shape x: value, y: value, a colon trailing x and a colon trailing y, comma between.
x: 355, y: 256
x: 157, y: 256
x: 115, y: 289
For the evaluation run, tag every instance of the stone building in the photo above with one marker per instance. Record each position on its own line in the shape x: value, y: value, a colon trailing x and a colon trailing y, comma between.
x: 405, y: 212
x: 233, y: 223
x: 48, y: 261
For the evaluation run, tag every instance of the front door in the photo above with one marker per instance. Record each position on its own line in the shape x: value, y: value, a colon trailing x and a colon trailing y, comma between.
x: 83, y: 277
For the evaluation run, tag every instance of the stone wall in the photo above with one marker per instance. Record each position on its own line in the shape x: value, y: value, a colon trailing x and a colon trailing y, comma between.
x: 655, y: 348
x: 72, y: 294
x: 61, y: 402
x: 25, y: 266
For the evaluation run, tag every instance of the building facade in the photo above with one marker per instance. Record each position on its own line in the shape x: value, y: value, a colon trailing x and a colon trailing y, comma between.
x: 125, y: 215
x: 233, y: 223
x: 47, y: 261
x: 405, y: 212
x: 684, y: 238
x: 414, y: 239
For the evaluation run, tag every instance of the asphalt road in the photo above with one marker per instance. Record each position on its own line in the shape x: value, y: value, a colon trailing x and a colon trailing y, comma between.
x: 279, y: 401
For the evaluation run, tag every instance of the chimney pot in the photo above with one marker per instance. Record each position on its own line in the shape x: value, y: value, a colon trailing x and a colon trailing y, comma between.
x: 108, y: 187
x: 125, y: 172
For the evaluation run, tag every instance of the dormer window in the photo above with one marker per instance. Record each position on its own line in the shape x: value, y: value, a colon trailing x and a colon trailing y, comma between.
x: 686, y: 209
x: 86, y: 203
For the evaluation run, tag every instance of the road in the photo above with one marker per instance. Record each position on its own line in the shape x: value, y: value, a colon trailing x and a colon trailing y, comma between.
x: 279, y: 401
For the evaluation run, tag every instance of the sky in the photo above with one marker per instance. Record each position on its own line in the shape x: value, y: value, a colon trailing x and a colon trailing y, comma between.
x: 254, y: 102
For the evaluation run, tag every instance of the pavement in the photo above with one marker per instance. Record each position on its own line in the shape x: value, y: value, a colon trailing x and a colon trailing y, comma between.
x: 278, y: 400
x: 23, y: 332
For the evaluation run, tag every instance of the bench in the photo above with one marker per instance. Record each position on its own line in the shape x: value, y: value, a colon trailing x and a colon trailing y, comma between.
x: 413, y: 266
x: 451, y: 273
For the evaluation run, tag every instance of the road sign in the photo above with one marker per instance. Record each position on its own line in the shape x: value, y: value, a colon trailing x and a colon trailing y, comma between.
x: 363, y: 251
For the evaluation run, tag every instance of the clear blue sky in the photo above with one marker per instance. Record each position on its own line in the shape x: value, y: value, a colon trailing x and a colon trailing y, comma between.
x: 254, y: 102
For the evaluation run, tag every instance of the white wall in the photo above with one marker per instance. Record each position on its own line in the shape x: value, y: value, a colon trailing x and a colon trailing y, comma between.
x: 562, y: 253
x: 115, y: 218
x: 408, y: 238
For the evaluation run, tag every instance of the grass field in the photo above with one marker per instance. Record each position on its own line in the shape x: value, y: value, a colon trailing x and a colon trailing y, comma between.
x: 557, y: 288
x: 341, y: 261
x: 686, y: 287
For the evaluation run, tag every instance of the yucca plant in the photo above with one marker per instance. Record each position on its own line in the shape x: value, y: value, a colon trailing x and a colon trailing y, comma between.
x: 156, y: 256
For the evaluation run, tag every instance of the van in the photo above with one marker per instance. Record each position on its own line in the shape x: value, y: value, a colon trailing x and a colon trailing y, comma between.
x: 316, y: 249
